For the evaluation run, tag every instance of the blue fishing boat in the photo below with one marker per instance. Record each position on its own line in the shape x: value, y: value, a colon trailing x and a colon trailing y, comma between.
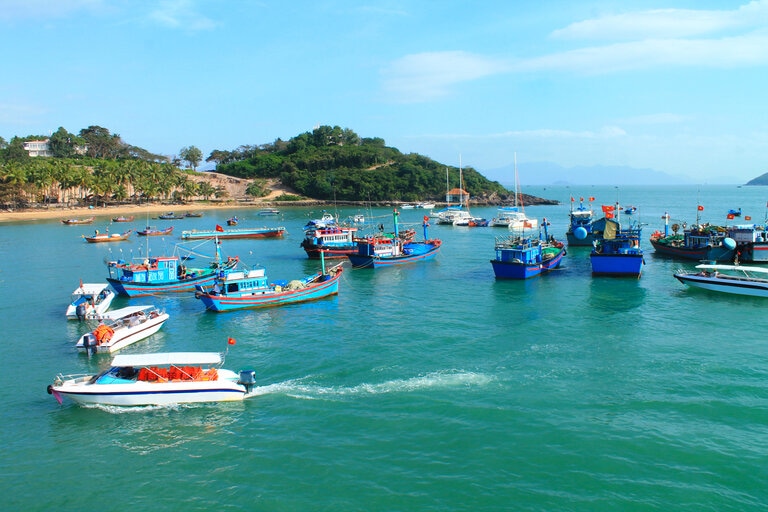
x: 241, y: 289
x: 221, y: 233
x: 326, y: 236
x: 521, y: 257
x: 617, y: 252
x: 378, y: 252
x: 700, y: 242
x: 734, y: 213
x: 581, y: 224
x: 163, y: 274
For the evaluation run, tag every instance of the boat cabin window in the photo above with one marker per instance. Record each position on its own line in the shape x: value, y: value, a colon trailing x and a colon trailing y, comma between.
x: 232, y: 287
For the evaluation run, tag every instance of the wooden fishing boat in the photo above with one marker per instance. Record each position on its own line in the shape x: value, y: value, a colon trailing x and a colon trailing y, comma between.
x: 263, y: 232
x: 155, y: 232
x: 163, y: 378
x: 193, y: 214
x: 377, y: 252
x: 242, y: 289
x: 170, y: 216
x: 232, y: 221
x: 123, y: 218
x: 106, y: 237
x: 617, y: 251
x: 521, y: 257
x: 70, y: 222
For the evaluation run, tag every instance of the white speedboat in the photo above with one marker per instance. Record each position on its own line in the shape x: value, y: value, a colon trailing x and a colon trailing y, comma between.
x: 90, y: 300
x: 157, y: 379
x: 122, y: 327
x: 735, y: 279
x: 513, y: 218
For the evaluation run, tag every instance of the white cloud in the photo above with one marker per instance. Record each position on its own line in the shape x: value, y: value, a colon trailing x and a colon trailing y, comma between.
x: 180, y: 14
x: 430, y: 75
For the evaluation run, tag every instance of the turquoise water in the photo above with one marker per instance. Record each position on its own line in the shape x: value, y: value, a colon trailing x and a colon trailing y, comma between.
x: 429, y: 387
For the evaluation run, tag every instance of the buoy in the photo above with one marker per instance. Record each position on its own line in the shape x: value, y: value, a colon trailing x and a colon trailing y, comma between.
x: 580, y: 233
x: 729, y: 243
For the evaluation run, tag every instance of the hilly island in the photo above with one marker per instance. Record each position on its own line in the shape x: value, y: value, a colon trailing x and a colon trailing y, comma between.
x: 328, y: 164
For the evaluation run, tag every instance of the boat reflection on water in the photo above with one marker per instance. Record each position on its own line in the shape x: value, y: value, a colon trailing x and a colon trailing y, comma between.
x: 616, y: 295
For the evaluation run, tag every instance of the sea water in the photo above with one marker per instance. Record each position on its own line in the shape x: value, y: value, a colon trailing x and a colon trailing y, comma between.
x: 424, y: 387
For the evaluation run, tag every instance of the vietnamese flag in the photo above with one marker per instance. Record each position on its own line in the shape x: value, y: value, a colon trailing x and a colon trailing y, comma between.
x: 747, y: 218
x: 730, y: 216
x: 608, y: 208
x: 701, y: 208
x: 231, y: 341
x: 608, y: 215
x: 591, y: 199
x: 219, y: 228
x: 572, y: 199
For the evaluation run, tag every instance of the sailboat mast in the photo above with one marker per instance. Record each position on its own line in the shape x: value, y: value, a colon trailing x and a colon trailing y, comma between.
x: 515, y: 179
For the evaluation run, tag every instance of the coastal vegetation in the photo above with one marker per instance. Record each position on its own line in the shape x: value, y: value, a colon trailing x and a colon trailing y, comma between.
x: 96, y: 167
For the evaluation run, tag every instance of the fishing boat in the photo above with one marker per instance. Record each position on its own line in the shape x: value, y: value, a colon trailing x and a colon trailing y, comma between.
x: 617, y: 251
x: 155, y: 232
x: 734, y: 213
x: 522, y: 257
x: 170, y: 216
x: 221, y: 233
x: 734, y: 279
x: 268, y: 211
x: 378, y: 252
x: 70, y: 222
x: 106, y: 237
x: 700, y: 242
x: 157, y: 379
x: 330, y: 240
x: 194, y: 215
x: 90, y: 300
x: 581, y: 224
x: 163, y: 274
x: 630, y: 210
x: 122, y: 327
x: 478, y: 222
x: 425, y: 205
x: 243, y: 289
x: 407, y: 206
x: 326, y: 220
x: 123, y: 218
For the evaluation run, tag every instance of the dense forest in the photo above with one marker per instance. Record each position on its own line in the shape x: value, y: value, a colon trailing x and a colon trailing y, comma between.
x: 95, y: 166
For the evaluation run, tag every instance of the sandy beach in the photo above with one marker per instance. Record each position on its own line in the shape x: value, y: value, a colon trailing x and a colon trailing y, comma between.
x: 56, y: 212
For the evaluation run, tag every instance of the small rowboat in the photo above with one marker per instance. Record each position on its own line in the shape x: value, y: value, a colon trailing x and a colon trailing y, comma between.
x: 155, y: 232
x: 106, y: 237
x: 123, y: 219
x: 70, y: 222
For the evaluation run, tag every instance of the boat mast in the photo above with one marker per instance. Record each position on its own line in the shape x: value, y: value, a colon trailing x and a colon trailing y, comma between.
x: 515, y: 180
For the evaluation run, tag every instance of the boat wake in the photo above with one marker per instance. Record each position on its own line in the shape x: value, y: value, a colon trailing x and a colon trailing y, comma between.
x: 435, y: 380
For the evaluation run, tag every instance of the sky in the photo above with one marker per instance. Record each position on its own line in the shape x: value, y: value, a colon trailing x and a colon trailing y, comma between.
x: 674, y: 86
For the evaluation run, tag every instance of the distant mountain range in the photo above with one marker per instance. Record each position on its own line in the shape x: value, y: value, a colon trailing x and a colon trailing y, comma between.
x: 548, y: 173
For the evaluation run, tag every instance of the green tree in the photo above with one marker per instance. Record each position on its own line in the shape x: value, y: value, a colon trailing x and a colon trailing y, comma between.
x: 192, y: 156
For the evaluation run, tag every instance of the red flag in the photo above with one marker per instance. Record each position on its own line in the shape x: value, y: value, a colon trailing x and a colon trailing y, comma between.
x: 231, y: 341
x: 219, y: 228
x: 730, y: 216
x: 608, y: 215
x: 747, y: 218
x: 701, y: 208
x: 581, y: 199
x: 591, y: 199
x: 608, y: 208
x: 572, y: 199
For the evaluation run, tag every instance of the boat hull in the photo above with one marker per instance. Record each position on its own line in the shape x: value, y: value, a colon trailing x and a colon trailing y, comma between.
x: 134, y: 289
x: 152, y: 393
x: 719, y: 254
x: 125, y: 337
x: 630, y: 264
x: 514, y: 270
x: 575, y: 242
x: 370, y: 261
x: 329, y: 251
x: 716, y: 284
x: 234, y: 234
x: 314, y: 291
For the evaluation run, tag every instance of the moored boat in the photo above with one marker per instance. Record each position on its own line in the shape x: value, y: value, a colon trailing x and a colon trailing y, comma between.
x: 123, y: 218
x: 157, y: 379
x: 581, y: 224
x: 522, y: 257
x: 232, y: 221
x: 70, y: 222
x: 243, y: 289
x: 163, y: 274
x: 333, y: 241
x: 170, y: 216
x: 378, y: 252
x: 194, y: 215
x: 155, y: 232
x: 699, y: 242
x: 122, y: 327
x: 106, y: 237
x: 90, y: 300
x: 617, y: 251
x: 733, y: 279
x: 268, y: 211
x: 262, y: 232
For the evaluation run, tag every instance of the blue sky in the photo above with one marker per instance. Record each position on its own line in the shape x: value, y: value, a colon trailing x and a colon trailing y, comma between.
x: 675, y: 86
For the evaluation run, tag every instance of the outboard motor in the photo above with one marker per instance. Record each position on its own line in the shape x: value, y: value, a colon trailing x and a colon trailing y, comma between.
x: 89, y: 343
x: 247, y: 379
x: 80, y: 311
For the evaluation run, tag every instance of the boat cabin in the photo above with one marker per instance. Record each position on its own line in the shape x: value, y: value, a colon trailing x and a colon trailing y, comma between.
x: 151, y: 270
